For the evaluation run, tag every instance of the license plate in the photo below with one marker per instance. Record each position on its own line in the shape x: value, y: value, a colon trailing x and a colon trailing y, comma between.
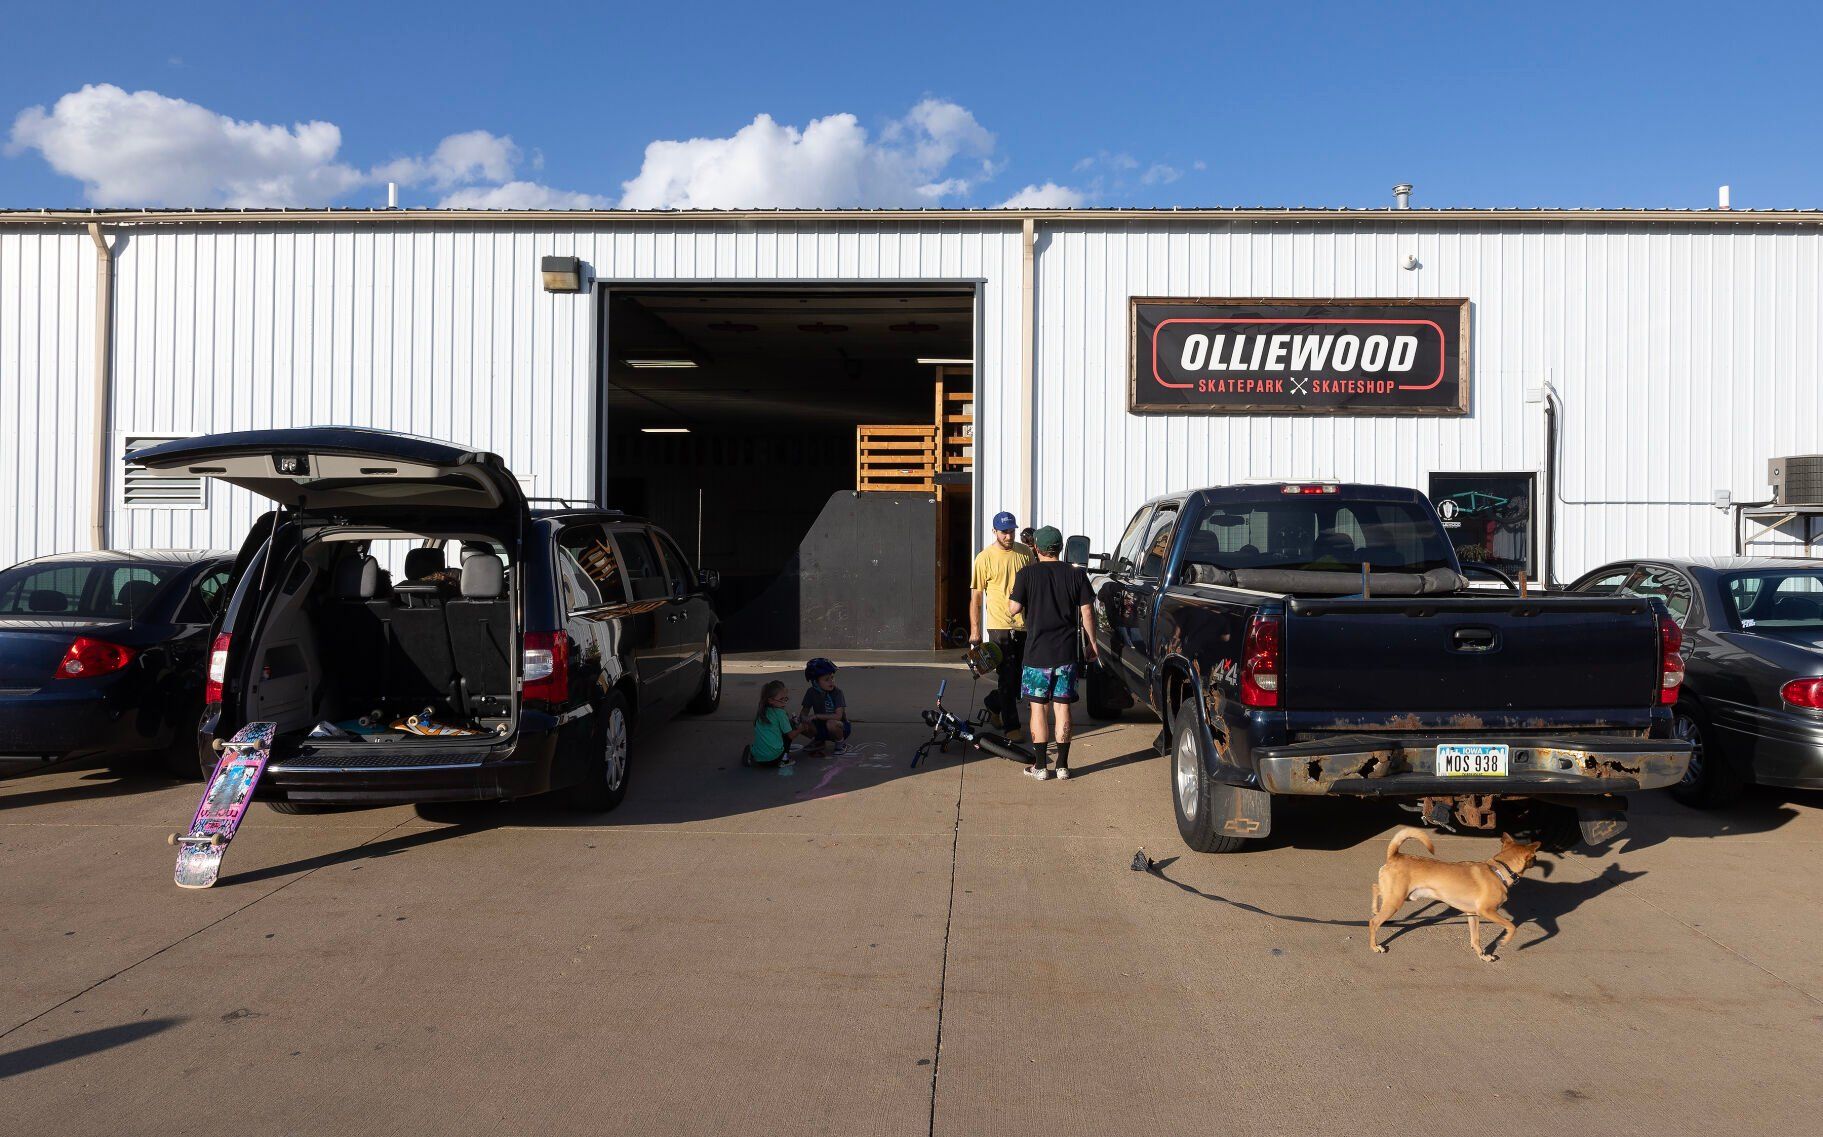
x: 1476, y: 760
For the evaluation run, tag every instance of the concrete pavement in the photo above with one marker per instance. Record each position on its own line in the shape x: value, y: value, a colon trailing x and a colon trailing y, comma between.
x: 864, y: 948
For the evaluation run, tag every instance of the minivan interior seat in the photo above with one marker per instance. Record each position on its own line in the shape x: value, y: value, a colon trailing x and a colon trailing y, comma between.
x: 356, y: 635
x: 480, y: 624
x: 415, y: 591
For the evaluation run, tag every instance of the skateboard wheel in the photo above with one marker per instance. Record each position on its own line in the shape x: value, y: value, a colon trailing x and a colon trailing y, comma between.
x: 216, y: 841
x: 413, y: 721
x: 217, y: 745
x: 170, y: 838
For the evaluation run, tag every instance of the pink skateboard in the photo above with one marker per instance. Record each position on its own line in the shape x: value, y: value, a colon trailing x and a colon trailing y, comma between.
x: 225, y: 801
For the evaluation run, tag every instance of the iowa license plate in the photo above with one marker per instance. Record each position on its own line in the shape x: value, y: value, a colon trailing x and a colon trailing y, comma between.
x: 1476, y: 760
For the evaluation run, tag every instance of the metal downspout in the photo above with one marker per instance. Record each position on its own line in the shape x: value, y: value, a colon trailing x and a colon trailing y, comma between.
x: 1028, y: 345
x: 104, y: 339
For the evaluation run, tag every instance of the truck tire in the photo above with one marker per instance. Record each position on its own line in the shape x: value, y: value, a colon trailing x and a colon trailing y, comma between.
x: 605, y: 785
x: 1712, y: 781
x: 1102, y: 693
x: 1193, y: 791
x: 709, y: 695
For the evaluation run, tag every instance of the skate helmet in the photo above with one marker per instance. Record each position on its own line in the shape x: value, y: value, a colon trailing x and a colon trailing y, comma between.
x: 817, y: 668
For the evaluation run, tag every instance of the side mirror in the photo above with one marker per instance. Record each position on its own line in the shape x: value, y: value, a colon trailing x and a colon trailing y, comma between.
x: 709, y: 579
x: 1076, y: 551
x: 1101, y: 562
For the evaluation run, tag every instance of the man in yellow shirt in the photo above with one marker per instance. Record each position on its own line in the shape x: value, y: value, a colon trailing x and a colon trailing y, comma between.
x: 990, y: 585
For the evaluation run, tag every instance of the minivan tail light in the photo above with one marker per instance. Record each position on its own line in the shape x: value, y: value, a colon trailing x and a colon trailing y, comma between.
x: 1262, y: 660
x: 547, y: 666
x: 1806, y: 693
x: 218, y: 670
x: 88, y: 657
x: 1671, y: 662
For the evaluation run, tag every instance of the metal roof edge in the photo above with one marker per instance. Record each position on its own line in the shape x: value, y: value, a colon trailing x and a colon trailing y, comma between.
x: 138, y: 217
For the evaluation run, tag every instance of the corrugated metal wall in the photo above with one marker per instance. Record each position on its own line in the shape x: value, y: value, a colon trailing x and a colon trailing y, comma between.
x: 1685, y: 355
x: 1684, y: 358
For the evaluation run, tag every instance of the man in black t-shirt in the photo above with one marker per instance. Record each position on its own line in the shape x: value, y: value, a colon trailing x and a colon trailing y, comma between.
x: 1055, y: 599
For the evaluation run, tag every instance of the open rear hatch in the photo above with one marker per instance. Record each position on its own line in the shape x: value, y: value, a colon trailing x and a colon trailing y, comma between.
x: 337, y: 654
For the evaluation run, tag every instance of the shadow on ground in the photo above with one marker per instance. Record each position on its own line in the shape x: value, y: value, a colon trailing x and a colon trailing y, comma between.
x: 94, y: 785
x: 16, y: 1062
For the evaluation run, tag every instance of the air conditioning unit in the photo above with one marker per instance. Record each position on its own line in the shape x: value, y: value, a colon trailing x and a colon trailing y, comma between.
x: 1797, y: 480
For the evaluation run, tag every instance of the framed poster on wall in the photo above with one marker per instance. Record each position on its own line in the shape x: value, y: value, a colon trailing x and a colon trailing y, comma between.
x: 1303, y: 357
x: 1489, y: 517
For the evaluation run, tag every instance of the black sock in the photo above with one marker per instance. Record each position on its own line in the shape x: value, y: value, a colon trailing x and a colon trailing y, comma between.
x: 1043, y: 750
x: 1063, y: 755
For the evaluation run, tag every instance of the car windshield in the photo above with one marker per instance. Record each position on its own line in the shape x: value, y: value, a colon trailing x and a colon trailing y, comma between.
x: 1320, y: 534
x: 1786, y: 598
x: 111, y: 591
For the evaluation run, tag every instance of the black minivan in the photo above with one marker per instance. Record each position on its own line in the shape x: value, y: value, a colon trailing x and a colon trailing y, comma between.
x: 519, y: 651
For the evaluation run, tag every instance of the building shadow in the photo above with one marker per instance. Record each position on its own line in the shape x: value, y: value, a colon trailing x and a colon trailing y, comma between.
x: 43, y: 1054
x: 373, y: 850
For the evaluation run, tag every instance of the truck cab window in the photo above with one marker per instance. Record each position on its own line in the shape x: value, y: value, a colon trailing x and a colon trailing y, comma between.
x: 1126, y: 554
x: 1157, y: 546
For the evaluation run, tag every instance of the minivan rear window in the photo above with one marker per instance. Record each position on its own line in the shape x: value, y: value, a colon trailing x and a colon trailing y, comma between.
x: 1317, y: 534
x: 90, y: 591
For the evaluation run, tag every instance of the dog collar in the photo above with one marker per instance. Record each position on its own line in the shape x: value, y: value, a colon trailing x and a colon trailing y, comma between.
x: 1506, y: 875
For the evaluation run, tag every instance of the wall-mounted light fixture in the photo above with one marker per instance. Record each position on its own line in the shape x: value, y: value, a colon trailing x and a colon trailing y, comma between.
x: 561, y: 274
x: 659, y: 364
x: 925, y: 359
x: 664, y: 430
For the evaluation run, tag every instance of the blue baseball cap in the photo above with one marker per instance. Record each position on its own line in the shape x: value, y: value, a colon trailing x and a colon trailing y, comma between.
x: 1005, y: 522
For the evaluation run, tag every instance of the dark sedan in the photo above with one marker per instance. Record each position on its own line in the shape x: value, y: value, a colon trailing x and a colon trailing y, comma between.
x: 102, y: 656
x: 1752, y: 699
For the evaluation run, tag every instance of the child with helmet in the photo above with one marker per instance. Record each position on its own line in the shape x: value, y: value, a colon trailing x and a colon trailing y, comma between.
x: 825, y: 708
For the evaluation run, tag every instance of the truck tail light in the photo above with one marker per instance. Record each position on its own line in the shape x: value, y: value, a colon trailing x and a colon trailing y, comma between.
x: 1261, y: 659
x: 87, y: 658
x: 1806, y: 693
x: 1671, y: 663
x: 547, y: 666
x: 218, y: 670
x: 1309, y: 488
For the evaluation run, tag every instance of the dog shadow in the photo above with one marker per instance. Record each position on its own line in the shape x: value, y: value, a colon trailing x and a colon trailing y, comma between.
x: 1544, y: 904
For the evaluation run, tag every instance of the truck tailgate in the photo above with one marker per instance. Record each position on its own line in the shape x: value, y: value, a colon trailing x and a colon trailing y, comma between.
x: 1470, y: 654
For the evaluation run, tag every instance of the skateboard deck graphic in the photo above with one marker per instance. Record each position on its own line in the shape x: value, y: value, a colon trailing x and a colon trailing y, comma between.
x: 224, y: 803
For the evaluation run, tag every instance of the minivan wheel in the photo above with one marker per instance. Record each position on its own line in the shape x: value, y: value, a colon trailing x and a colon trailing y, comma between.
x: 709, y: 695
x: 606, y: 783
x: 1193, y: 792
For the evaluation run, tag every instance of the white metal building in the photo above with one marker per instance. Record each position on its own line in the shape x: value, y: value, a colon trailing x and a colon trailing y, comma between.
x: 1683, y: 347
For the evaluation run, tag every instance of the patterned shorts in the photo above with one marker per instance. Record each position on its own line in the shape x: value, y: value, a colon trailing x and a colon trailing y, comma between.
x: 1049, y: 684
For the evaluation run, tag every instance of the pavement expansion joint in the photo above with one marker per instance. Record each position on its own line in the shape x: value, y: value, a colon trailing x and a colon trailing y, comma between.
x: 949, y: 915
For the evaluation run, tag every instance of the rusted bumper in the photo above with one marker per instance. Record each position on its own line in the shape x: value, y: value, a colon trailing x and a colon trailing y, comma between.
x: 1378, y: 766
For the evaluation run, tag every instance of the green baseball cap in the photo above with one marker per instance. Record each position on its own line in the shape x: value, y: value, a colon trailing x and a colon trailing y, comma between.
x: 1047, y: 539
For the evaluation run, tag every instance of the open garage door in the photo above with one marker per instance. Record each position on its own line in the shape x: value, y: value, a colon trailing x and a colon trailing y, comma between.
x: 813, y: 445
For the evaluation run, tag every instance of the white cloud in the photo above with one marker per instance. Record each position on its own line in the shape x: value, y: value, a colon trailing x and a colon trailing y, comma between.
x: 936, y: 151
x: 147, y: 149
x: 521, y: 195
x: 1160, y: 174
x: 1050, y: 195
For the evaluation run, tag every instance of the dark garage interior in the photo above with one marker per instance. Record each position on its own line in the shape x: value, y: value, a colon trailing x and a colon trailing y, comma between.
x: 732, y: 422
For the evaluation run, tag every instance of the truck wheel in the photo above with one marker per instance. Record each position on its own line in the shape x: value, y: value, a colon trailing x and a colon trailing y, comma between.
x: 606, y: 783
x: 1102, y: 693
x: 709, y: 695
x: 1712, y: 781
x: 1193, y: 791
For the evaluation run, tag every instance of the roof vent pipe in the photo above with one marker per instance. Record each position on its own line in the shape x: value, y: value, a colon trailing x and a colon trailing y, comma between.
x: 392, y: 195
x: 1402, y: 196
x: 1721, y: 198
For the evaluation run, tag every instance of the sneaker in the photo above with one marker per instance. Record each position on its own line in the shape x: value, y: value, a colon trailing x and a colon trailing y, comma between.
x: 841, y: 748
x: 1039, y: 772
x: 1014, y: 734
x: 784, y: 760
x: 1062, y: 773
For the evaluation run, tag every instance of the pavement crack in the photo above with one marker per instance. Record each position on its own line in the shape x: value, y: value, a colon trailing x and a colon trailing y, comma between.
x: 190, y: 935
x: 949, y: 916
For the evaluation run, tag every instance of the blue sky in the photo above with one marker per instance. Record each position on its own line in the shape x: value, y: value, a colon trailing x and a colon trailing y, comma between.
x: 947, y: 104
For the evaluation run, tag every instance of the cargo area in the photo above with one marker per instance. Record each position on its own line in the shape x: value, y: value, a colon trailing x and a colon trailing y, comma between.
x: 354, y: 655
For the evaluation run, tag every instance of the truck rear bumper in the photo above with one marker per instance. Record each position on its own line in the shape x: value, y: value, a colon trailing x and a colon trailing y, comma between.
x: 1378, y: 766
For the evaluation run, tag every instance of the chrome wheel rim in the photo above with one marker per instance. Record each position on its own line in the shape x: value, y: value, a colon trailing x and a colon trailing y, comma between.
x: 1187, y: 775
x: 617, y: 748
x: 715, y: 672
x: 1685, y: 728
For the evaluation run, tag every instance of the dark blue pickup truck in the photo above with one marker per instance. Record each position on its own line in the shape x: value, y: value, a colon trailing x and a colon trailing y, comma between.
x: 1322, y: 638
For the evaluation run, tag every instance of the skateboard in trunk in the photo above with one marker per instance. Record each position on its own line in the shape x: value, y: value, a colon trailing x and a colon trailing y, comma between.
x: 224, y: 803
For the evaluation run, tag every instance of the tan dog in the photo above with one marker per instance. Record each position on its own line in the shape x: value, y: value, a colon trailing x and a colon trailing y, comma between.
x: 1476, y: 887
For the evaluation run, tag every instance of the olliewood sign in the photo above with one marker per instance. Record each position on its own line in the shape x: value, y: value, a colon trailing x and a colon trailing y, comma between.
x: 1352, y: 357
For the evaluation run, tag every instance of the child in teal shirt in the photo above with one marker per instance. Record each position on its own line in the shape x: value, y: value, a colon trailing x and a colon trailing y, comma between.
x: 772, y: 729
